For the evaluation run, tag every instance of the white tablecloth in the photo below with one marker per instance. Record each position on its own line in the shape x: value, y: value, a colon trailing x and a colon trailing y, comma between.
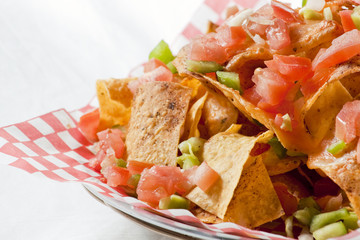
x: 51, y: 53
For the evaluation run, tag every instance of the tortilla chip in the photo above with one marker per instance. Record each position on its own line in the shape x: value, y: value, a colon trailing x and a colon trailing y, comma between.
x: 229, y: 155
x: 198, y: 89
x: 193, y: 118
x: 158, y: 114
x: 218, y: 113
x: 205, y: 217
x: 114, y: 102
x: 344, y: 170
x: 294, y: 185
x: 255, y: 201
x: 234, y: 128
x: 320, y: 111
x: 275, y: 166
x: 306, y: 37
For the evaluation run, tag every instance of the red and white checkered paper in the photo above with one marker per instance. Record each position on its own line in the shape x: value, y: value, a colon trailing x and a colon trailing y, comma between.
x: 52, y: 146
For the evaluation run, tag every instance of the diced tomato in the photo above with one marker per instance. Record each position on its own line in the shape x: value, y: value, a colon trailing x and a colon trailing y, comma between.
x: 342, y: 49
x: 288, y: 201
x: 311, y: 85
x: 358, y: 151
x: 284, y: 12
x: 205, y: 176
x: 346, y: 20
x: 112, y: 138
x: 259, y: 148
x: 252, y: 96
x: 295, y: 68
x: 95, y: 162
x: 271, y: 86
x: 231, y: 38
x: 136, y: 167
x: 207, y: 48
x: 264, y: 13
x: 89, y: 123
x: 117, y: 176
x: 278, y: 35
x: 161, y: 74
x: 152, y: 64
x: 161, y: 181
x: 347, y: 121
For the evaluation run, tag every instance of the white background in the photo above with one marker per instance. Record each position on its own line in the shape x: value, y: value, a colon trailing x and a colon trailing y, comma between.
x: 51, y: 53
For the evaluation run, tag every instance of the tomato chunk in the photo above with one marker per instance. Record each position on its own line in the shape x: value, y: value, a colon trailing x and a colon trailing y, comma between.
x: 346, y: 20
x: 117, y: 176
x: 231, y: 38
x: 284, y: 12
x: 161, y: 181
x: 207, y: 48
x: 312, y: 84
x: 152, y: 64
x: 89, y: 123
x: 295, y: 68
x: 278, y: 35
x: 342, y: 49
x: 205, y: 176
x: 136, y: 167
x: 161, y: 73
x: 112, y: 138
x: 271, y: 86
x: 288, y: 201
x: 347, y: 121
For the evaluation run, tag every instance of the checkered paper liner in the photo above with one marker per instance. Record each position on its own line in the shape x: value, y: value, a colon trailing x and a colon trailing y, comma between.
x: 52, y: 146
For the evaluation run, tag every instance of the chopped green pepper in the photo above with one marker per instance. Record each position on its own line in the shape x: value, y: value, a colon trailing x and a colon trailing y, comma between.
x: 324, y: 219
x: 355, y: 16
x: 172, y: 68
x: 328, y: 14
x: 277, y: 147
x: 351, y: 222
x: 193, y: 144
x: 337, y: 147
x: 174, y: 201
x: 310, y: 14
x: 308, y: 202
x: 304, y: 216
x: 229, y: 79
x: 162, y: 52
x: 203, y: 66
x: 134, y: 180
x: 120, y: 162
x: 336, y: 229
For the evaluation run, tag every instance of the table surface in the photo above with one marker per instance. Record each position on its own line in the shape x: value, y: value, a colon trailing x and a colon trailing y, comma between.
x: 51, y: 54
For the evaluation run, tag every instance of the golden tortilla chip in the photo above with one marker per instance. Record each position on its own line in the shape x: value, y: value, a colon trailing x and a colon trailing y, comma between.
x: 309, y: 36
x: 255, y: 201
x: 218, y: 113
x: 344, y: 170
x: 193, y: 118
x: 275, y: 166
x: 114, y: 102
x: 205, y: 217
x: 198, y: 89
x: 158, y: 114
x: 234, y: 128
x: 229, y: 155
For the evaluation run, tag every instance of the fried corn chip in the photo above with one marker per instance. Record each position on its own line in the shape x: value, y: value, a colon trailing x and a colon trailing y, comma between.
x: 229, y: 155
x: 158, y: 114
x: 234, y: 128
x: 344, y: 170
x: 275, y: 166
x: 218, y: 113
x: 193, y: 118
x: 114, y: 102
x: 205, y: 217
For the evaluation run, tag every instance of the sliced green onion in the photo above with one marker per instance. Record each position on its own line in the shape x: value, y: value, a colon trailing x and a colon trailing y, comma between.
x: 351, y: 222
x: 229, y: 79
x: 289, y: 227
x: 310, y: 14
x: 308, y: 202
x: 304, y: 216
x: 173, y: 202
x: 286, y: 124
x: 134, y: 180
x: 324, y: 219
x: 162, y: 52
x: 355, y: 16
x: 172, y: 68
x: 187, y: 161
x: 193, y: 144
x: 277, y: 147
x: 202, y: 66
x: 120, y: 162
x: 337, y: 147
x: 328, y: 14
x: 330, y: 231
